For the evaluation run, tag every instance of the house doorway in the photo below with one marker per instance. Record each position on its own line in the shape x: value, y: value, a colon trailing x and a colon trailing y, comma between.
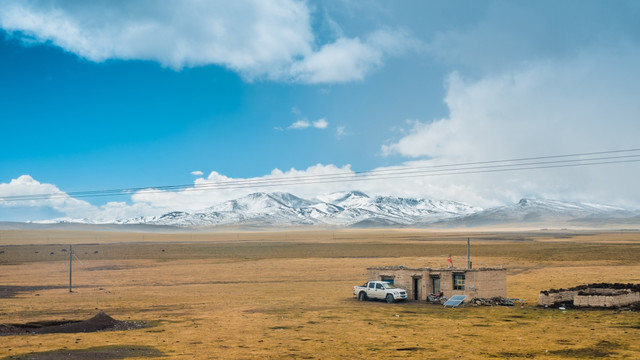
x: 416, y: 288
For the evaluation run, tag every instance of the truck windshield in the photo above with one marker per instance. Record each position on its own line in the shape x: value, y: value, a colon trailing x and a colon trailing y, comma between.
x: 388, y: 286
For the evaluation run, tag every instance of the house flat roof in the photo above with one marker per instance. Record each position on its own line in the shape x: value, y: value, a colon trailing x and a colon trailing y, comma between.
x: 401, y: 267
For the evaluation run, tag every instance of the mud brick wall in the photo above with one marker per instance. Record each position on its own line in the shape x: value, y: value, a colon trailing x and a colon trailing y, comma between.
x: 486, y: 284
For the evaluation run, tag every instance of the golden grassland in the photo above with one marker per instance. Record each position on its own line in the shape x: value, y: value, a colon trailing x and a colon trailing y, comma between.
x: 288, y: 294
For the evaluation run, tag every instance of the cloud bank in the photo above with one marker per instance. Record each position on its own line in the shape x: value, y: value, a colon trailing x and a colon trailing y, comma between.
x: 205, y: 192
x: 259, y: 39
x: 59, y: 205
x: 584, y: 104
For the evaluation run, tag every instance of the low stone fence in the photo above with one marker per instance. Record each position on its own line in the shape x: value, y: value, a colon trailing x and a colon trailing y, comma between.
x: 552, y: 299
x: 592, y: 295
x: 613, y: 300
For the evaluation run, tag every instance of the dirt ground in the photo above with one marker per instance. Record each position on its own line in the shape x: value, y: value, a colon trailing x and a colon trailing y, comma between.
x: 288, y: 294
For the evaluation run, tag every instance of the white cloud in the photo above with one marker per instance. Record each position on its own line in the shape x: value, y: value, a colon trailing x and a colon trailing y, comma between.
x: 270, y: 39
x: 252, y: 35
x: 300, y: 124
x: 50, y: 202
x: 197, y: 173
x: 304, y: 124
x: 351, y: 59
x: 53, y: 198
x: 321, y: 124
x: 585, y: 104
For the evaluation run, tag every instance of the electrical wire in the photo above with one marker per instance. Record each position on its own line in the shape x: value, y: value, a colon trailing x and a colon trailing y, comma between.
x: 519, y: 164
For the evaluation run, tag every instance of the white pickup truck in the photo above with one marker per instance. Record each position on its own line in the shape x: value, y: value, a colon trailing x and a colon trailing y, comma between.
x: 379, y: 290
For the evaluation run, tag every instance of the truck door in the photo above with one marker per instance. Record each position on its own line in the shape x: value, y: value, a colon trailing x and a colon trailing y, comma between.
x: 371, y: 290
x: 379, y: 291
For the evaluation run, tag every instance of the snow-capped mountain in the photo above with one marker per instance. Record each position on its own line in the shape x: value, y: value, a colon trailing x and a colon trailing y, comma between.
x: 357, y: 209
x: 340, y: 209
x: 544, y: 211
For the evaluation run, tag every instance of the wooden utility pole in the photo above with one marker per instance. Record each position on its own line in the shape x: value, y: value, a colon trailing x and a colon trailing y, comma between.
x: 70, y: 258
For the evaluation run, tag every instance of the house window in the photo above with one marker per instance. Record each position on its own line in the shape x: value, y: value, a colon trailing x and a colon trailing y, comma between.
x: 458, y: 281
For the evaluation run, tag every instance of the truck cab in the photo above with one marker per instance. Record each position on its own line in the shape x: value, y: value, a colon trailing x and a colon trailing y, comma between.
x: 380, y: 290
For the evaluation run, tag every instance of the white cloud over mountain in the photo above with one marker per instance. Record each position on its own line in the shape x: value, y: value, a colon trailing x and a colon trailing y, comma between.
x: 58, y: 203
x: 271, y: 39
x: 205, y: 191
x: 584, y: 104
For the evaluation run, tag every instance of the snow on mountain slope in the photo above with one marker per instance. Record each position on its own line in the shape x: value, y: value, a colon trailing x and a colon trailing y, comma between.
x: 535, y: 210
x: 357, y: 209
x: 257, y: 208
x: 360, y: 208
x: 340, y: 209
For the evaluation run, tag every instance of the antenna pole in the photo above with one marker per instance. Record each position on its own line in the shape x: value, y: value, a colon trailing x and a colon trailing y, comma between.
x: 70, y: 257
x: 468, y: 255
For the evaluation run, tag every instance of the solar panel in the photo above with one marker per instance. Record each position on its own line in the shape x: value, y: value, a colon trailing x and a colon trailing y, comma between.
x: 455, y: 300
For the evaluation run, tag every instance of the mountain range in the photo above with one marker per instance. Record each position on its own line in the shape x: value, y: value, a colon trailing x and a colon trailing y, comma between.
x: 357, y: 209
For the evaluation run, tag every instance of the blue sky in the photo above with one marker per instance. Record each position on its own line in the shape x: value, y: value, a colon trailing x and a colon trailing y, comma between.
x: 122, y: 94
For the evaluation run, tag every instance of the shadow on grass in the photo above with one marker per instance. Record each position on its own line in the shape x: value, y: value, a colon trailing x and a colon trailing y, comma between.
x: 9, y: 291
x: 600, y: 350
x: 94, y: 353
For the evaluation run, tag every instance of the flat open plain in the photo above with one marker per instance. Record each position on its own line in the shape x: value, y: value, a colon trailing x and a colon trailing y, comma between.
x: 288, y: 294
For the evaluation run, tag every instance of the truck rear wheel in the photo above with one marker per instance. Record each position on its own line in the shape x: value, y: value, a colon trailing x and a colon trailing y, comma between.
x: 362, y: 296
x: 390, y: 299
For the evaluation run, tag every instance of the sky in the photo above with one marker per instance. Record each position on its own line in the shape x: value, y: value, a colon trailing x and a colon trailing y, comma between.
x: 140, y: 94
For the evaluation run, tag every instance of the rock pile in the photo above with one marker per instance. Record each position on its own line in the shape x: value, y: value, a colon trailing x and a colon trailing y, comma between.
x: 100, y: 322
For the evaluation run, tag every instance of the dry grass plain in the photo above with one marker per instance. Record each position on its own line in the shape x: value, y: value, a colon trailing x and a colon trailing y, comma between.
x: 272, y: 295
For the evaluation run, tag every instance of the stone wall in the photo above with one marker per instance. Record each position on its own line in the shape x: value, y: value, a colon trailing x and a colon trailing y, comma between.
x: 552, y: 299
x: 606, y: 300
x: 592, y: 295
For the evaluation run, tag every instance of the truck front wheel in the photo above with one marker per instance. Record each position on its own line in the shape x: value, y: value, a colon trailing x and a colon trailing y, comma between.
x: 390, y: 299
x: 362, y: 296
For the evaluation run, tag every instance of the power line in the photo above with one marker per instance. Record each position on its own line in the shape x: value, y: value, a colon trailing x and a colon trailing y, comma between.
x: 519, y: 164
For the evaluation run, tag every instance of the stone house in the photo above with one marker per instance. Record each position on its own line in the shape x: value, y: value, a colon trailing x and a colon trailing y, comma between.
x: 420, y: 282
